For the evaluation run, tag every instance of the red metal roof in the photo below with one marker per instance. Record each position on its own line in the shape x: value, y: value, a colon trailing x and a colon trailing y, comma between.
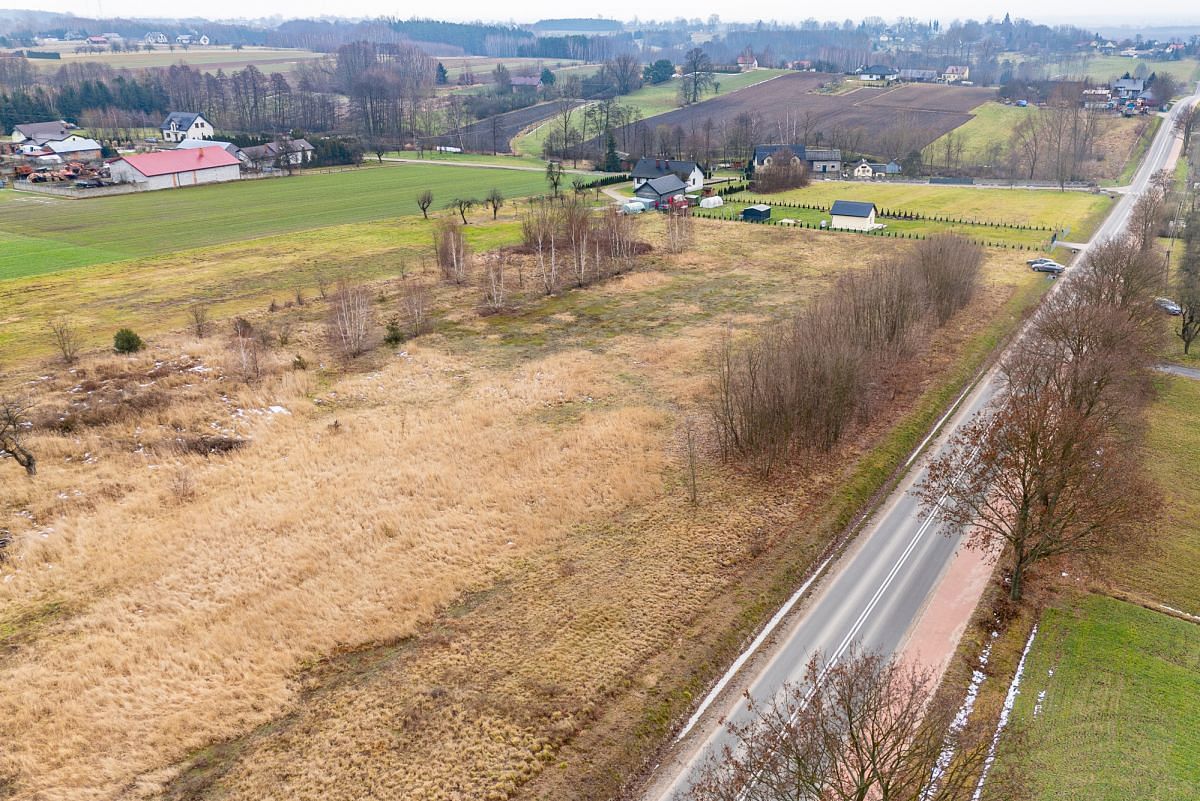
x: 165, y: 162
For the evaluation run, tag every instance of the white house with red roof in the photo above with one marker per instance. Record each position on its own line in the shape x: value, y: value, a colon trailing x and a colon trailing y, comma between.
x: 168, y: 169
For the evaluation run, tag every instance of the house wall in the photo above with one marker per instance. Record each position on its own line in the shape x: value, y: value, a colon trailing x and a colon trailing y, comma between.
x: 853, y: 223
x: 825, y: 167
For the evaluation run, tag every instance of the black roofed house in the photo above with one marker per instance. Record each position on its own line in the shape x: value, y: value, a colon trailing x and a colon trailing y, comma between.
x: 660, y: 190
x: 854, y: 215
x: 918, y: 75
x: 821, y: 160
x: 648, y: 169
x: 180, y: 125
x: 271, y: 155
x: 878, y: 72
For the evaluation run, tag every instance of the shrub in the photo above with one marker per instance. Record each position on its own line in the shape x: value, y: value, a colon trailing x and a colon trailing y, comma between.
x: 126, y: 341
x: 394, y: 334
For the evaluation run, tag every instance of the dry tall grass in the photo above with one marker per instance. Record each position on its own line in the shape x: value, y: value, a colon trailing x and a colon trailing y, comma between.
x: 168, y: 590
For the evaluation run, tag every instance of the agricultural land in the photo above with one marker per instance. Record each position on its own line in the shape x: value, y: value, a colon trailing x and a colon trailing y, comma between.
x: 518, y: 549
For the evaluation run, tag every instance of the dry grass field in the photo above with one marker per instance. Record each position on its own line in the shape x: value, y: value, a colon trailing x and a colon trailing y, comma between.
x: 465, y: 567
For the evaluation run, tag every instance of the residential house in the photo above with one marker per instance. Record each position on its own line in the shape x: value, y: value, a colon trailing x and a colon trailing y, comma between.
x: 955, y: 73
x: 918, y: 76
x: 747, y: 61
x: 1128, y: 88
x: 820, y: 160
x: 648, y: 169
x: 853, y: 215
x: 660, y: 190
x: 183, y: 39
x: 526, y: 83
x: 878, y: 72
x: 40, y: 133
x: 155, y: 37
x: 75, y: 148
x: 229, y: 147
x: 180, y: 125
x: 168, y: 169
x: 872, y: 169
x: 270, y: 155
x: 97, y: 41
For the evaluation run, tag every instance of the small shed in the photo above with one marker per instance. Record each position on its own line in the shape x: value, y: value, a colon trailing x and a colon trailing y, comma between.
x: 853, y: 215
x: 759, y: 213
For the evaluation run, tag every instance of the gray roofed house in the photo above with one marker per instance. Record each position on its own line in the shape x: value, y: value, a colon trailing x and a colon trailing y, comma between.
x: 648, y: 169
x: 1128, y: 87
x: 42, y: 132
x: 268, y: 155
x: 180, y: 125
x: 660, y: 190
x: 820, y: 160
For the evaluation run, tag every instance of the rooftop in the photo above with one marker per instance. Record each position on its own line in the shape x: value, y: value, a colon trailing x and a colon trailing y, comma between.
x: 165, y: 162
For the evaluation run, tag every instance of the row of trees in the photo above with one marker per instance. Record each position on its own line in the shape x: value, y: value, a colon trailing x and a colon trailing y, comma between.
x: 1050, y: 467
x: 797, y: 387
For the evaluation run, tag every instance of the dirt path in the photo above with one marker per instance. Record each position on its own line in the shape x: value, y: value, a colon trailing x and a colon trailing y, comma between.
x: 522, y: 167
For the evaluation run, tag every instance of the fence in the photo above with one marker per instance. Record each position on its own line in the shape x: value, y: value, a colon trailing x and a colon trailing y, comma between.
x: 880, y: 232
x: 900, y: 214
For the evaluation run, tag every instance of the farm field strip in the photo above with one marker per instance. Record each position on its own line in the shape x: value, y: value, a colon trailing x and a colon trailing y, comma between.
x: 148, y: 223
x: 931, y: 110
x: 208, y: 59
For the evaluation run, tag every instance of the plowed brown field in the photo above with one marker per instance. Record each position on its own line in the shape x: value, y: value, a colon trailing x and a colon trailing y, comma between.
x: 886, y: 122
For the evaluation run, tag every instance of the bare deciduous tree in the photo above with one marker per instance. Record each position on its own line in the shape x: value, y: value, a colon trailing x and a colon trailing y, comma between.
x: 351, y: 319
x: 415, y: 299
x: 66, y: 338
x: 463, y: 204
x: 495, y: 199
x: 493, y: 285
x: 450, y: 247
x: 859, y: 727
x: 198, y: 314
x: 678, y: 230
x: 949, y: 269
x: 14, y: 423
x: 424, y: 201
x: 540, y: 231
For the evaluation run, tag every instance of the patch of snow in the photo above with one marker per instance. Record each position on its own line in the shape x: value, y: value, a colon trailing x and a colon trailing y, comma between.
x: 277, y: 410
x: 1010, y: 699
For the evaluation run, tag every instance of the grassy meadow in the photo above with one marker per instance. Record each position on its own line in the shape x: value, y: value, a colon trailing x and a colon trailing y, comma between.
x: 1080, y: 211
x: 460, y: 565
x: 61, y: 233
x: 1110, y: 703
x: 1108, y: 68
x: 208, y: 59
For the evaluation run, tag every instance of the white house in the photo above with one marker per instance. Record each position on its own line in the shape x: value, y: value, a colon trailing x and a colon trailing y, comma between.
x: 168, y: 169
x: 180, y: 125
x: 955, y: 73
x: 878, y: 72
x: 853, y: 215
x: 155, y: 37
x: 42, y: 132
x: 648, y: 169
x: 869, y: 169
x: 76, y: 148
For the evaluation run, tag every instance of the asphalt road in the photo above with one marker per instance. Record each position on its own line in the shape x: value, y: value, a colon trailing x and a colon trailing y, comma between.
x: 876, y: 590
x: 1180, y: 370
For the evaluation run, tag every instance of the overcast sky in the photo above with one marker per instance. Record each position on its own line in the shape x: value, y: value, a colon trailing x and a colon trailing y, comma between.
x: 1081, y: 12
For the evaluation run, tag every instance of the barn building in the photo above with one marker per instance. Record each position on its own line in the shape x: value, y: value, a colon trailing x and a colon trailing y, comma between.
x: 169, y: 169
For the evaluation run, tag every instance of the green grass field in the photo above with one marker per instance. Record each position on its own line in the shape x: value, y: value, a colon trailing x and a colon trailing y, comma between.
x: 993, y: 124
x: 989, y: 234
x: 1107, y: 68
x: 436, y: 157
x: 1120, y: 715
x: 58, y: 234
x: 1079, y: 211
x: 1167, y: 569
x: 209, y: 59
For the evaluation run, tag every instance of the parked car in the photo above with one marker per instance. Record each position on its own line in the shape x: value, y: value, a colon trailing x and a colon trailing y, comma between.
x: 1048, y: 267
x: 1037, y: 260
x: 1168, y: 305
